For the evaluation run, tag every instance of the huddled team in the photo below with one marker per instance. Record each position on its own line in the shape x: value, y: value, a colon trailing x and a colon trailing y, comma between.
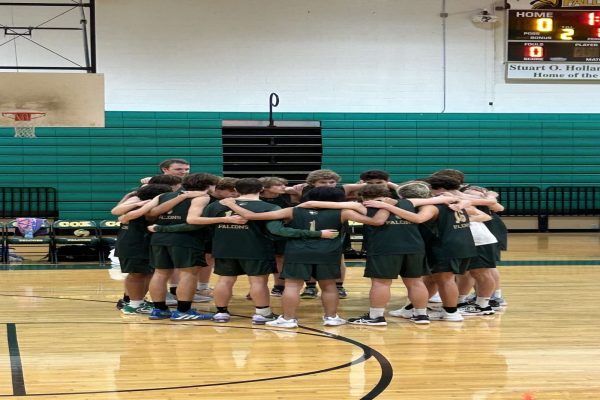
x: 438, y: 234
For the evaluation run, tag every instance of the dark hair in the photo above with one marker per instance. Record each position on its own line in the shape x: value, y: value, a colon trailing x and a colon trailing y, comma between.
x: 248, y: 186
x: 443, y: 182
x: 452, y: 173
x: 374, y: 174
x: 325, y: 194
x: 199, y: 181
x: 150, y: 191
x: 226, y: 184
x: 369, y: 192
x: 166, y: 180
x: 170, y: 161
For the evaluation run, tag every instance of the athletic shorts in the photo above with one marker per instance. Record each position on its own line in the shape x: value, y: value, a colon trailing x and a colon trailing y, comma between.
x: 486, y: 257
x: 279, y: 247
x: 457, y: 266
x: 304, y: 272
x: 169, y: 257
x: 394, y: 265
x: 236, y: 267
x: 135, y: 266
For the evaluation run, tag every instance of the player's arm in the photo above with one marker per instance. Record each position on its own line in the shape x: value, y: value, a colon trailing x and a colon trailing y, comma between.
x: 351, y: 205
x: 127, y: 205
x: 445, y: 199
x: 277, y: 228
x: 284, y: 213
x: 196, y: 210
x: 169, y: 204
x: 143, y: 210
x: 425, y: 213
x: 377, y: 220
x: 476, y: 215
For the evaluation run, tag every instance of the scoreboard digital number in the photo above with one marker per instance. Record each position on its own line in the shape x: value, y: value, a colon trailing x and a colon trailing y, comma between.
x: 553, y: 35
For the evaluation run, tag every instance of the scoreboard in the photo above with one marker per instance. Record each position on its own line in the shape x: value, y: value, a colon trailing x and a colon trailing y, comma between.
x: 554, y: 36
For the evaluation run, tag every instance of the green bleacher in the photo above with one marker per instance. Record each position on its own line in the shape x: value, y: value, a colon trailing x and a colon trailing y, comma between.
x: 92, y: 168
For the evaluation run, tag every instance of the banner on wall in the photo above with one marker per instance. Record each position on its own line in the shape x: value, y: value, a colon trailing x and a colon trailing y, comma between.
x: 553, y: 4
x: 553, y: 71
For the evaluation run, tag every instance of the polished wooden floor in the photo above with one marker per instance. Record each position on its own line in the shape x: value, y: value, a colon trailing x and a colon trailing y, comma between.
x: 62, y: 338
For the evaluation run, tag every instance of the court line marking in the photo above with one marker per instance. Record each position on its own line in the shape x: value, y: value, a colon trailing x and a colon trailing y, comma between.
x: 368, y: 352
x: 16, y: 366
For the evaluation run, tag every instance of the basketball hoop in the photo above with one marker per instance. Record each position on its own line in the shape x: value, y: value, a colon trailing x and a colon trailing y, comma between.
x: 24, y: 126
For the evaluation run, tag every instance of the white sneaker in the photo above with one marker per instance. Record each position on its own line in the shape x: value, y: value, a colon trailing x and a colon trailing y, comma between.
x: 201, y: 299
x: 258, y: 319
x: 445, y: 316
x: 435, y: 298
x: 402, y: 312
x: 283, y: 323
x: 333, y: 321
x: 221, y: 317
x: 171, y: 300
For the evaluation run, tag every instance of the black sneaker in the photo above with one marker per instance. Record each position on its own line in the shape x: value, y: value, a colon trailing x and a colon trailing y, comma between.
x: 475, y: 310
x: 276, y: 292
x: 367, y: 320
x: 422, y: 319
x: 342, y: 294
x: 309, y: 293
x: 120, y: 304
x: 495, y: 305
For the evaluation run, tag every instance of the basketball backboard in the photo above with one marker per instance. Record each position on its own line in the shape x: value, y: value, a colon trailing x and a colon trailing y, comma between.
x: 67, y: 99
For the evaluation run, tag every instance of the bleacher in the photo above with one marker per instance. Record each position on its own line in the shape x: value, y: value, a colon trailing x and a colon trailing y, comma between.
x: 93, y: 168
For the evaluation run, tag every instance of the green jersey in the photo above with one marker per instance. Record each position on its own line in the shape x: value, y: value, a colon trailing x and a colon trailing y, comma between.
x: 449, y: 236
x: 133, y: 239
x: 249, y: 241
x: 396, y: 236
x: 177, y: 215
x: 315, y: 251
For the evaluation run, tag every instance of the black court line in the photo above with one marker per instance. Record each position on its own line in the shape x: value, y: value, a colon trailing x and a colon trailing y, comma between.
x: 368, y: 352
x: 387, y: 371
x: 16, y: 367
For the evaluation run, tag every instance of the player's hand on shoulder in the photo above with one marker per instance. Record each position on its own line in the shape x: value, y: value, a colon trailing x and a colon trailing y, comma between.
x: 152, y: 228
x: 459, y: 205
x: 329, y: 234
x: 145, y: 181
x: 228, y: 201
x: 236, y: 219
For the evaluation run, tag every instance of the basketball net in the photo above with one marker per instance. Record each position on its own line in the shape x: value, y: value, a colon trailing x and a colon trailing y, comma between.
x: 24, y: 126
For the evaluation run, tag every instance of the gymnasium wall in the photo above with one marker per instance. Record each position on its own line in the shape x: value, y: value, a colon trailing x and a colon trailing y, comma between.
x: 93, y: 168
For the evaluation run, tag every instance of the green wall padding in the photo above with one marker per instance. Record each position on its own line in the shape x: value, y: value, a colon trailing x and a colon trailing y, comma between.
x: 93, y: 168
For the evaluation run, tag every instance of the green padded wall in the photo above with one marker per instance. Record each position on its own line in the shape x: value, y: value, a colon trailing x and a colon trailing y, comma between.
x: 93, y: 168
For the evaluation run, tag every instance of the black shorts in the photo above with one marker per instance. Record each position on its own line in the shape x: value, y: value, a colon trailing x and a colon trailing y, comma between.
x: 486, y: 257
x: 392, y: 266
x: 169, y: 257
x: 236, y: 267
x: 135, y: 266
x: 304, y: 272
x: 457, y: 266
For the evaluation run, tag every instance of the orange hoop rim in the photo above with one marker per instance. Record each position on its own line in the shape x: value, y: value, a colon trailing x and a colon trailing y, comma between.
x: 21, y: 115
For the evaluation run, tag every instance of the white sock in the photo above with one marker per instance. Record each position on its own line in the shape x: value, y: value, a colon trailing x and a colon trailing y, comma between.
x: 263, y: 311
x: 135, y: 303
x: 172, y: 285
x: 497, y: 293
x: 461, y: 298
x: 376, y: 312
x: 482, y: 302
x: 420, y: 311
x: 202, y: 286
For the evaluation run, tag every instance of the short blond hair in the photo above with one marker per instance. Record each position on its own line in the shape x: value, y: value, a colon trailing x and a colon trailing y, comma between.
x: 322, y: 174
